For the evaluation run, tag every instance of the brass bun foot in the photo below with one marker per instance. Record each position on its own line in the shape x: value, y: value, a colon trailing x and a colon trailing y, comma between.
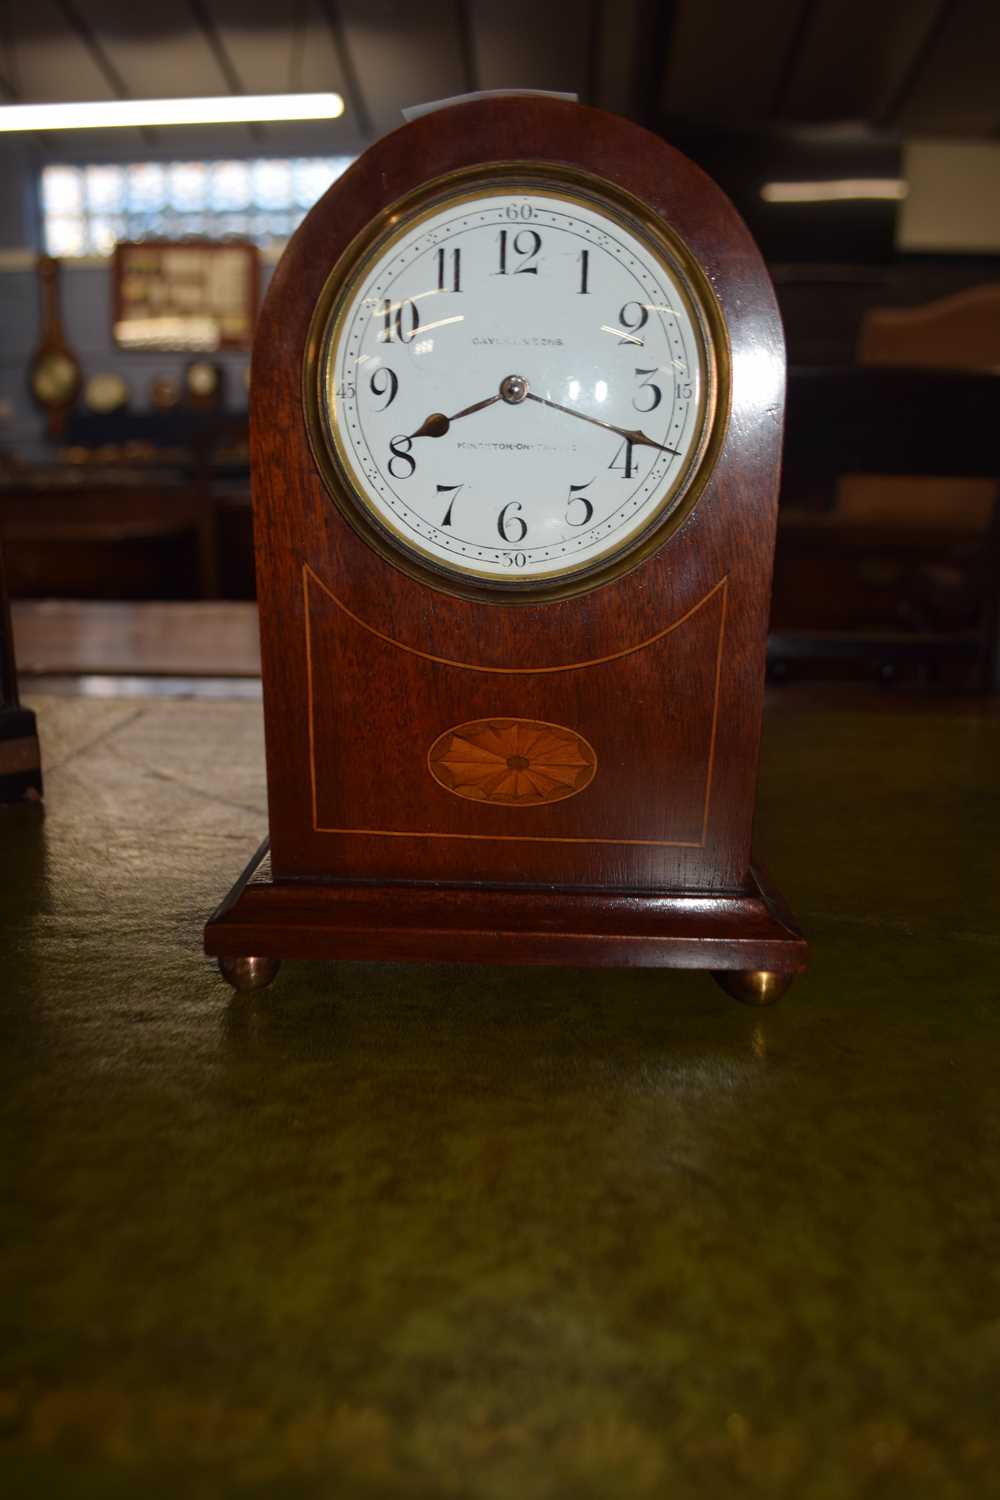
x: 249, y: 973
x: 753, y: 986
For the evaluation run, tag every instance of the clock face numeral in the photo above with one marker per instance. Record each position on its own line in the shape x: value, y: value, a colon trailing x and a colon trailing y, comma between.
x: 456, y: 269
x: 633, y: 316
x: 403, y: 319
x: 452, y: 490
x: 653, y: 396
x: 626, y: 454
x: 400, y: 447
x: 567, y: 345
x: 574, y: 515
x: 526, y: 243
x: 384, y: 382
x: 511, y: 526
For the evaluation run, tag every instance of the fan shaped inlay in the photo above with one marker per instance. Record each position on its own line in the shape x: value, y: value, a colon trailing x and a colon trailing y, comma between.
x: 512, y: 762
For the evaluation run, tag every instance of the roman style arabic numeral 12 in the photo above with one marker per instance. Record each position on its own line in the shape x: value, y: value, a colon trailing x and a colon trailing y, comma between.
x: 456, y: 269
x: 526, y: 243
x: 584, y: 271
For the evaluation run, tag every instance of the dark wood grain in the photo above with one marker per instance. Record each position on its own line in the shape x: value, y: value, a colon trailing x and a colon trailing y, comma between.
x: 887, y: 420
x: 407, y: 923
x: 20, y: 757
x: 77, y: 637
x: 661, y: 671
x: 130, y: 541
x: 934, y: 578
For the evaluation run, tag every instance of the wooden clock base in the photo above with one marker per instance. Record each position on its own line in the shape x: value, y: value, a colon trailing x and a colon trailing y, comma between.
x: 747, y: 939
x: 20, y: 757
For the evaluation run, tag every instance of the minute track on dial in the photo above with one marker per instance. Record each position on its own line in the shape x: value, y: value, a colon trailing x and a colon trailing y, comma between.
x: 493, y: 501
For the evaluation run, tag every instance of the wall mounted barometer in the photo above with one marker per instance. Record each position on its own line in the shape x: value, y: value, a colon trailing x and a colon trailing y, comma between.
x: 516, y: 421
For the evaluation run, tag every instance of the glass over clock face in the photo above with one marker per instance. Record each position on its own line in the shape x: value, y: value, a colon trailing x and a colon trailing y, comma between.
x: 516, y: 388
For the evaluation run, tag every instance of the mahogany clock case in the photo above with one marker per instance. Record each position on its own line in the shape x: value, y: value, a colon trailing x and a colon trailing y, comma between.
x: 656, y: 676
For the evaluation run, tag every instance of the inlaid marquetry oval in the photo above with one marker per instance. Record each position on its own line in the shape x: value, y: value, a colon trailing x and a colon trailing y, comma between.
x: 512, y: 762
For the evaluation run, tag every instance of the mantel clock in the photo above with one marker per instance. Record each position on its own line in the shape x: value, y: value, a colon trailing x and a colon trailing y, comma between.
x: 516, y: 421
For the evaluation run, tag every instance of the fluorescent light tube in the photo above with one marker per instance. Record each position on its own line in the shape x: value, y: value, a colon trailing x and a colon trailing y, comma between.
x: 232, y: 109
x: 838, y: 190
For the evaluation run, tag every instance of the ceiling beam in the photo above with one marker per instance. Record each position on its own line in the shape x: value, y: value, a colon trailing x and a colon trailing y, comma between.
x: 296, y: 54
x: 463, y: 26
x: 210, y: 32
x: 655, y: 34
x: 112, y: 77
x: 8, y: 74
x: 595, y: 51
x: 100, y: 58
x: 349, y: 73
x: 793, y: 51
x: 213, y: 40
x: 921, y: 53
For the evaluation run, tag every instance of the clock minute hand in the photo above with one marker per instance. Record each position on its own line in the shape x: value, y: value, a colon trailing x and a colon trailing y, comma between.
x: 437, y: 424
x: 630, y: 434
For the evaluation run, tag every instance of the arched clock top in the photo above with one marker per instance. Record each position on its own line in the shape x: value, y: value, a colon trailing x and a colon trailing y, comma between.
x: 457, y: 459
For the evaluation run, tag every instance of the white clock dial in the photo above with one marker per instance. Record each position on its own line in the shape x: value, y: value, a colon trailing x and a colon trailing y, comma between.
x: 516, y: 385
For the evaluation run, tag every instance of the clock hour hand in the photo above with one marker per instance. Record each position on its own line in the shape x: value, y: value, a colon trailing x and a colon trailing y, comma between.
x: 437, y: 424
x: 630, y: 434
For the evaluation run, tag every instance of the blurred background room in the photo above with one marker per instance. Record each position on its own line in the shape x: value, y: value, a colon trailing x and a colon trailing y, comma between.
x: 859, y: 142
x: 397, y: 1231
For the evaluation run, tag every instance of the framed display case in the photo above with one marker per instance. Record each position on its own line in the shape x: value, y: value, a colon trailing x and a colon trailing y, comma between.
x: 189, y: 295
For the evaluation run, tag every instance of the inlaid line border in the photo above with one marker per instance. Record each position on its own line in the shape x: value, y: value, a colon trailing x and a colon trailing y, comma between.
x: 527, y: 838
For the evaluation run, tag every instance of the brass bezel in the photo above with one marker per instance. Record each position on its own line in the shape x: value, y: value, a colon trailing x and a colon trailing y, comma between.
x: 587, y: 189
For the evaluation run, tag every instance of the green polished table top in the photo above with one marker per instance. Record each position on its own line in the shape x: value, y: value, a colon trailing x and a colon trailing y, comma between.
x: 426, y: 1232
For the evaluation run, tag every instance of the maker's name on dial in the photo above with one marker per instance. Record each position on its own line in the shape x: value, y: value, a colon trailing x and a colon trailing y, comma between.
x: 529, y: 341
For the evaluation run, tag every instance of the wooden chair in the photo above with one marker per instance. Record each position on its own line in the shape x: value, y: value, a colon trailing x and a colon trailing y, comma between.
x: 960, y: 332
x: 920, y: 589
x: 133, y: 541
